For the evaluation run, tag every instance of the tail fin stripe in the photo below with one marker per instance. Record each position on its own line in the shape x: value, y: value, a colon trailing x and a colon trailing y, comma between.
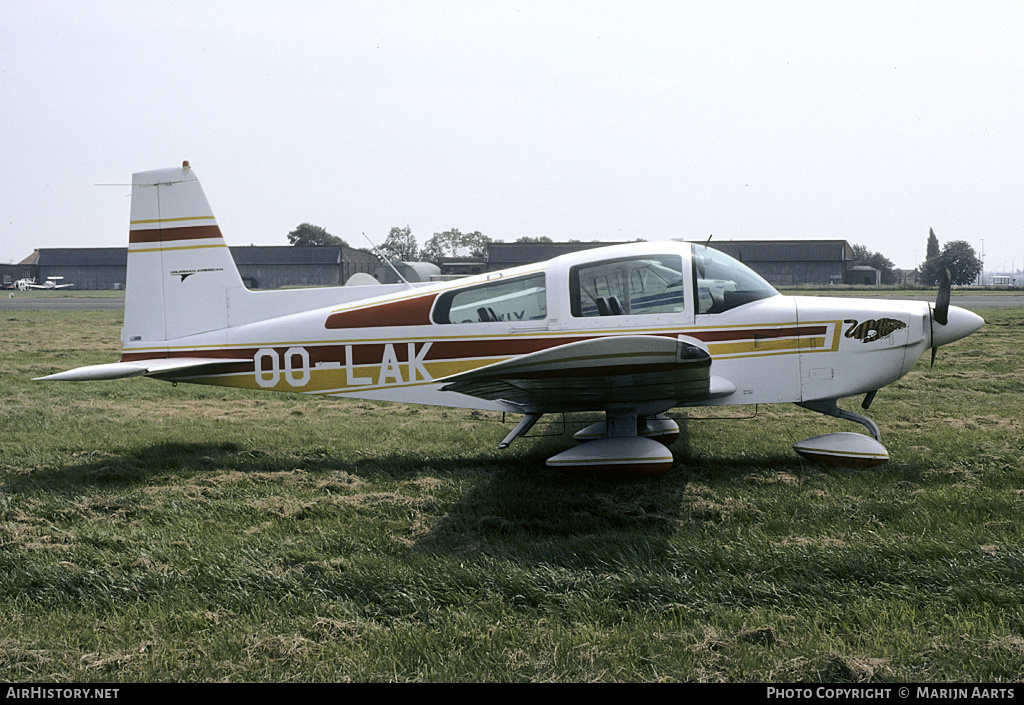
x: 198, y: 232
x: 170, y: 249
x: 170, y: 220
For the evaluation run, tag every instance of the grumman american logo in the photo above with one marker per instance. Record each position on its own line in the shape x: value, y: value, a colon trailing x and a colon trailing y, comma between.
x: 871, y: 330
x: 186, y: 273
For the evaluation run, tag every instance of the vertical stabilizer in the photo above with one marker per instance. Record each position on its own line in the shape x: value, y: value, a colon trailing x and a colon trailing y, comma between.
x: 180, y: 270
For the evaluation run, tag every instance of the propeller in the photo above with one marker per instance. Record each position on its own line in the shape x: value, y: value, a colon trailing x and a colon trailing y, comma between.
x: 940, y: 311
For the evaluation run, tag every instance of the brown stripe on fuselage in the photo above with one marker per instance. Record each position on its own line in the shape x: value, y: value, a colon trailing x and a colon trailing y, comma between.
x: 718, y: 336
x: 194, y: 232
x: 407, y: 312
x: 371, y: 353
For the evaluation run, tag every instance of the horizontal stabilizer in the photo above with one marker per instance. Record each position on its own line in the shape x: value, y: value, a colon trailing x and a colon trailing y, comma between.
x: 123, y: 370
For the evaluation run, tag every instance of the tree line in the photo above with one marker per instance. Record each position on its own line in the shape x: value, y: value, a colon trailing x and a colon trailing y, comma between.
x: 400, y: 245
x: 957, y: 256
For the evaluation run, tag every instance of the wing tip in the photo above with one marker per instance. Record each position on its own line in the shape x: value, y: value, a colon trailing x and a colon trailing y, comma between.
x: 113, y: 370
x: 124, y: 370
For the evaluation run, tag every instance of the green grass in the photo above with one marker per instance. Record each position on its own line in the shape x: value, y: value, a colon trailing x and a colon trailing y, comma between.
x: 159, y: 533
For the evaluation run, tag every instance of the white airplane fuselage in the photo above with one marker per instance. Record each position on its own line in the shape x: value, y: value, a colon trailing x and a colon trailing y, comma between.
x: 777, y: 349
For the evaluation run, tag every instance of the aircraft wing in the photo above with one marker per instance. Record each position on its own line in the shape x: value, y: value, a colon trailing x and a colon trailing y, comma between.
x: 591, y: 375
x: 157, y: 368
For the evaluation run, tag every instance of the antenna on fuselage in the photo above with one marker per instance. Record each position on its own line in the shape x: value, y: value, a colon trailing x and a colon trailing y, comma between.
x: 388, y: 260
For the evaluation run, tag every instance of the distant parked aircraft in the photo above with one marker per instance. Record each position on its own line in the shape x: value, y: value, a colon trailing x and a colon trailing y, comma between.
x: 50, y: 283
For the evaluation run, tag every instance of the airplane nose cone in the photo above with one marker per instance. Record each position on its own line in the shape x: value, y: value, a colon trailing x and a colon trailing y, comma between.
x: 960, y: 325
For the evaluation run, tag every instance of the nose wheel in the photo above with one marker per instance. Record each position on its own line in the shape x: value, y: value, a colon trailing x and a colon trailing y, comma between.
x: 850, y: 449
x: 829, y: 407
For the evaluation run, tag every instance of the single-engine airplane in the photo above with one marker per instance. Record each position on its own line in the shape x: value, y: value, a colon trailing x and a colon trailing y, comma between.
x: 50, y: 283
x: 629, y: 330
x: 23, y: 284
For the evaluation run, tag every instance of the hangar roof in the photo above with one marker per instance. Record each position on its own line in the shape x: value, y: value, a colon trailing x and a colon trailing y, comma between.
x: 518, y: 252
x: 507, y: 253
x: 252, y: 255
x: 80, y: 257
x: 286, y: 254
x: 786, y: 250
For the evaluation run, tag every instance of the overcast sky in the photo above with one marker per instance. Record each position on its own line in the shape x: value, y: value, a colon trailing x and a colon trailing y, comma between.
x: 863, y: 121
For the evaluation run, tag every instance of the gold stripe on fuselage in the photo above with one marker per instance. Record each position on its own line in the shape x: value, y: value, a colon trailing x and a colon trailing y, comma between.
x: 507, y: 335
x: 334, y: 377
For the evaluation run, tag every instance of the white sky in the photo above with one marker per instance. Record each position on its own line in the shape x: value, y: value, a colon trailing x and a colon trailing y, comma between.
x: 864, y: 121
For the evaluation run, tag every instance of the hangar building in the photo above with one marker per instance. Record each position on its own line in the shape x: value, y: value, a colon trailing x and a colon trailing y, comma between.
x: 261, y: 267
x: 780, y: 262
x: 503, y: 255
x: 84, y: 267
x: 794, y: 262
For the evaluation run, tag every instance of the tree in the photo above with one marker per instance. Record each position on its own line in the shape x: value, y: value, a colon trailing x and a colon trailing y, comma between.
x: 864, y: 256
x: 400, y: 245
x: 931, y: 269
x: 933, y: 245
x: 308, y: 235
x: 957, y: 256
x: 960, y: 259
x: 542, y: 238
x: 454, y: 243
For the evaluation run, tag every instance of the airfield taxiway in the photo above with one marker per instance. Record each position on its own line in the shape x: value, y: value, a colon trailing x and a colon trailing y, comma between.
x: 27, y: 302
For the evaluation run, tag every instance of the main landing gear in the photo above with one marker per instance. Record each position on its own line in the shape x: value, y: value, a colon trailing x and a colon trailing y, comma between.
x: 624, y: 444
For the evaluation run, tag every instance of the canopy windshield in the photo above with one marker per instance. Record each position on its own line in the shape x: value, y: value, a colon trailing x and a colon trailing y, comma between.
x: 720, y: 283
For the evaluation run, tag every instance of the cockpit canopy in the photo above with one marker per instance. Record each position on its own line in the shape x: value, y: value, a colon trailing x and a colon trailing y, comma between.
x: 627, y: 286
x: 654, y: 284
x: 627, y: 282
x: 720, y: 283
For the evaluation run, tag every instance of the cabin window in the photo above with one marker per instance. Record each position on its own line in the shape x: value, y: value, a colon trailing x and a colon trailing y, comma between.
x: 629, y: 286
x: 514, y: 299
x: 721, y: 283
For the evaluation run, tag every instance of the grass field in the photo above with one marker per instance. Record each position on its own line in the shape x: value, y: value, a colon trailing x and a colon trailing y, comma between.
x: 159, y: 533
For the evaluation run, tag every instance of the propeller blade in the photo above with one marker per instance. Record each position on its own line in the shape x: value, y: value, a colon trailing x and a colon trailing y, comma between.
x: 941, y: 312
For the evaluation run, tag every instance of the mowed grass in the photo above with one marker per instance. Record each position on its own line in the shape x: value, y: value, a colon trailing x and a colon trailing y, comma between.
x: 190, y: 533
